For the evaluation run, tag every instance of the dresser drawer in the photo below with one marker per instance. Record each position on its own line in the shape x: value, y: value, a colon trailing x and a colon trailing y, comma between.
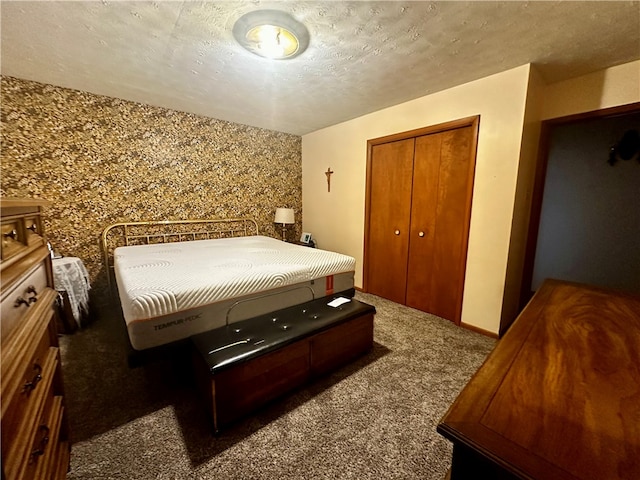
x: 48, y: 462
x: 35, y: 380
x: 36, y: 430
x: 33, y: 230
x: 17, y: 301
x: 13, y: 241
x: 62, y: 460
x: 44, y: 440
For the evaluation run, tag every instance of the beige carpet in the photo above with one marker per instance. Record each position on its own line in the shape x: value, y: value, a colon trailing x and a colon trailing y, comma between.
x: 373, y: 419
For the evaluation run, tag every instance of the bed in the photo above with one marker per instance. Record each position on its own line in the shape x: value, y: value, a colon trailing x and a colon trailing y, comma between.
x: 176, y: 279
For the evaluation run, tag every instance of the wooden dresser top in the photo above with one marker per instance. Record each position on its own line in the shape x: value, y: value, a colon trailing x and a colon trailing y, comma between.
x: 559, y: 397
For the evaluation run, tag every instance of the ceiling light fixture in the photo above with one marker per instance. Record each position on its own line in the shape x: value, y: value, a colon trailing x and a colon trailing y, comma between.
x: 271, y: 34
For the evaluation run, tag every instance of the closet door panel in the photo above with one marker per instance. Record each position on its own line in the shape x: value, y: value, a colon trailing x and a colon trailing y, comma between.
x: 390, y: 207
x: 423, y: 220
x: 451, y: 223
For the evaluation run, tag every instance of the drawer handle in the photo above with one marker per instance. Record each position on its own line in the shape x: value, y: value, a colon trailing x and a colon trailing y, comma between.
x: 33, y: 228
x: 13, y: 234
x: 39, y: 451
x: 29, y: 387
x: 397, y: 232
x: 21, y: 301
x: 34, y: 294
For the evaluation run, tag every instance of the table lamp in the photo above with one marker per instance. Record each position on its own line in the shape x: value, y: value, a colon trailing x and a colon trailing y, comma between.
x: 284, y: 216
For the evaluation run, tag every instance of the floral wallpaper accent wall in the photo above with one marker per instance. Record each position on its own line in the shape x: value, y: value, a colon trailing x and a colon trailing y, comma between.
x: 102, y: 160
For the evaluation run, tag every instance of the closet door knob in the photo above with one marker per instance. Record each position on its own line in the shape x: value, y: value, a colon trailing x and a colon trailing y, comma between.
x: 397, y: 232
x: 421, y: 234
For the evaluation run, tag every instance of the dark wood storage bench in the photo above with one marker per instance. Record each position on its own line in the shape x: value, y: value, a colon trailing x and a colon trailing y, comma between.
x: 249, y: 363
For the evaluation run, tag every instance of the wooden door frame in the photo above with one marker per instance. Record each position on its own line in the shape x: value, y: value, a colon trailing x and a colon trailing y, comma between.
x: 537, y: 192
x: 474, y: 123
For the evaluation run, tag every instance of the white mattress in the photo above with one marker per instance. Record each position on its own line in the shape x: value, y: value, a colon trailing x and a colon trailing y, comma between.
x: 164, y: 287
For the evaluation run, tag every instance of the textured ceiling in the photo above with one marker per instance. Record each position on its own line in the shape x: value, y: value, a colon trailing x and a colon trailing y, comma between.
x: 363, y: 56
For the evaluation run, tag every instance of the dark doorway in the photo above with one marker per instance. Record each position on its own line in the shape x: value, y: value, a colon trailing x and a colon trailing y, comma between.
x: 585, y: 219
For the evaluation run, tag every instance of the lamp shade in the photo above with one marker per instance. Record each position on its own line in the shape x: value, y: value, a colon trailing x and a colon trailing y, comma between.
x: 284, y: 215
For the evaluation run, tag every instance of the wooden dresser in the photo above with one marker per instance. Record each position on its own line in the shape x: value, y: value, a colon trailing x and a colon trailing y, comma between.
x: 35, y: 442
x: 559, y: 397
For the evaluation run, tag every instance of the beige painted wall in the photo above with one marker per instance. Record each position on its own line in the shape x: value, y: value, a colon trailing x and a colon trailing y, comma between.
x: 524, y: 191
x: 511, y: 105
x: 336, y: 219
x: 619, y: 85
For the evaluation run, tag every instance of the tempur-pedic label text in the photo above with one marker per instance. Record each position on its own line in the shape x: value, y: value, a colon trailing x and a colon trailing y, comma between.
x: 179, y: 321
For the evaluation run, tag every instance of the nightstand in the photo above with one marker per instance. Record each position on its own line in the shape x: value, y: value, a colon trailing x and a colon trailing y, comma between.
x: 311, y: 244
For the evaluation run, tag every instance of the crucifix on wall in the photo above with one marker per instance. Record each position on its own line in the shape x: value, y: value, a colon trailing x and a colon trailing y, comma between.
x: 328, y: 174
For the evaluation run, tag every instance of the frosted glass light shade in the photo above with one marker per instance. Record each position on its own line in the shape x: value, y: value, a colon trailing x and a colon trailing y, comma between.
x: 284, y: 215
x: 271, y: 34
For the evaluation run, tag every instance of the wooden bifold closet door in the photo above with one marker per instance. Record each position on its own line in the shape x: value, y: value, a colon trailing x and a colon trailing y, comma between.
x: 391, y: 175
x: 419, y: 191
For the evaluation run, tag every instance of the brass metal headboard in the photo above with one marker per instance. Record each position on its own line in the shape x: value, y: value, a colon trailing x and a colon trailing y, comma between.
x: 169, y: 231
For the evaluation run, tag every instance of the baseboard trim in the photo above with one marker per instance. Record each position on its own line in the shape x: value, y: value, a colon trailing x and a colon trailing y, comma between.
x: 473, y: 328
x: 482, y: 331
